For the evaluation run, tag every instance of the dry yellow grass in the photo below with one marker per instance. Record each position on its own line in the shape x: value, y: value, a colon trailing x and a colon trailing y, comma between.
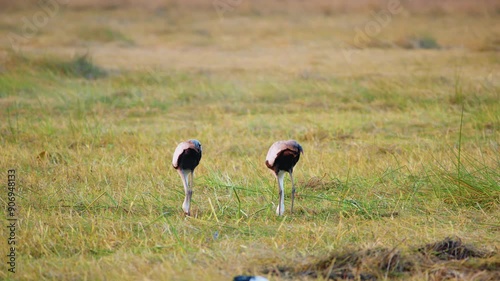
x: 381, y: 124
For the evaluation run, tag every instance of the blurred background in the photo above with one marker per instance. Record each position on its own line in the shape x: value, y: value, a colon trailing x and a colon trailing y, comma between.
x: 246, y: 34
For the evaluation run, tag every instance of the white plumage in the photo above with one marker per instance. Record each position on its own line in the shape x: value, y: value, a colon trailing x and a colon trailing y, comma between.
x: 276, y: 148
x: 178, y: 151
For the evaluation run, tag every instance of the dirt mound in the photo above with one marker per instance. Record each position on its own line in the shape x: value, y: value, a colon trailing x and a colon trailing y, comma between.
x: 442, y: 260
x: 451, y: 249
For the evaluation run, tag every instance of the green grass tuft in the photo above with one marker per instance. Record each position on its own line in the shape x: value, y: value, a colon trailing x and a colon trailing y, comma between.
x: 103, y: 35
x: 79, y: 67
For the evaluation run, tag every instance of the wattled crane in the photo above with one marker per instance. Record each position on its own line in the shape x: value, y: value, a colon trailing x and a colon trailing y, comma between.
x: 187, y: 156
x: 281, y: 158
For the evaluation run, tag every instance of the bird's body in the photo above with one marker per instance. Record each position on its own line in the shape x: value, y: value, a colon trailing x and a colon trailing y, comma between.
x: 281, y: 158
x: 186, y: 158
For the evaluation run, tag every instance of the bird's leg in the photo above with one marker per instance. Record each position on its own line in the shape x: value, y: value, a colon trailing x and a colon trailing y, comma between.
x: 191, y: 181
x: 281, y: 207
x: 293, y: 190
x: 187, y: 190
x: 191, y: 184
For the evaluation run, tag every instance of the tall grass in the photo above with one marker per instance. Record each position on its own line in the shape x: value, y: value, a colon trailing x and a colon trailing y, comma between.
x: 474, y: 182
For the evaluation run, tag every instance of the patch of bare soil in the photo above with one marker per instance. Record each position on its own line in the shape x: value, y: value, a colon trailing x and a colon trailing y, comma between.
x: 449, y: 259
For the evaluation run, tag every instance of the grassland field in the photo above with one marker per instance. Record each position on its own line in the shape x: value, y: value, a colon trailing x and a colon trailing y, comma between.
x: 399, y: 120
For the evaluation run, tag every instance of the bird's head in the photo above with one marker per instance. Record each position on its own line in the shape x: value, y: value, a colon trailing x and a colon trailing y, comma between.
x: 296, y: 145
x: 300, y: 148
x: 196, y: 144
